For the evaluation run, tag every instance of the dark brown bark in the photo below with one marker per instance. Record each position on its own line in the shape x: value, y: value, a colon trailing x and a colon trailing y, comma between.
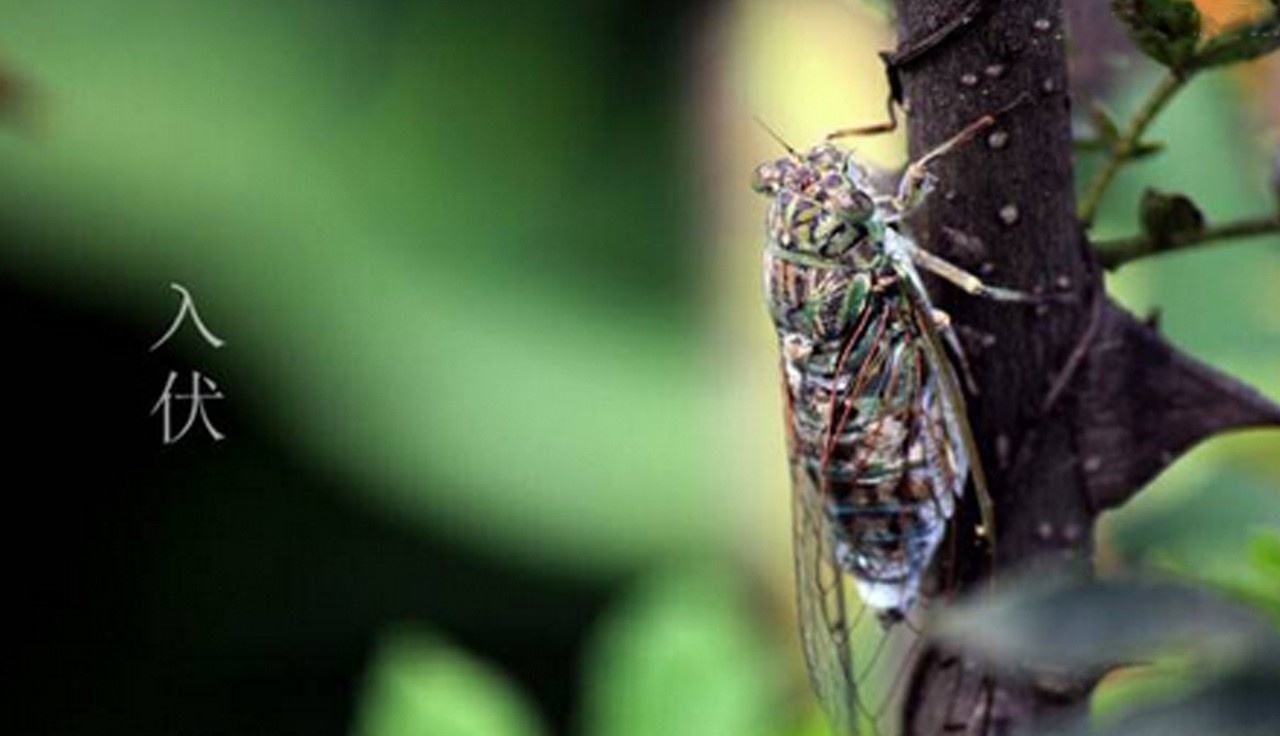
x: 1146, y: 404
x: 1082, y: 405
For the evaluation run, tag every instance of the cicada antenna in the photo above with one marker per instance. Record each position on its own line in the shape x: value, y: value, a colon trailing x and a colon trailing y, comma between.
x: 774, y: 135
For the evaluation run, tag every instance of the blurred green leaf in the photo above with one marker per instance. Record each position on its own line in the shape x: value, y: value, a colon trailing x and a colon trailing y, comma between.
x: 681, y: 656
x: 1264, y: 552
x: 400, y: 226
x: 1089, y: 145
x: 1166, y: 30
x: 1071, y: 627
x: 1104, y: 124
x: 1257, y: 581
x: 418, y: 685
x: 1205, y: 537
x: 1166, y: 216
x: 1127, y: 688
x: 1146, y: 149
x: 1242, y: 703
x: 1169, y: 31
x: 1074, y: 624
x: 1243, y: 43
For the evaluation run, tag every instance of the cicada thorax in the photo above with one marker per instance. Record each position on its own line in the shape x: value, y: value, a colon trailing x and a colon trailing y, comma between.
x: 866, y: 424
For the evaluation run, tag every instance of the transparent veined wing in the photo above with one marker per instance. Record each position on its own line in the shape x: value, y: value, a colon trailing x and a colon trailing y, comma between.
x: 857, y: 664
x: 821, y: 598
x: 949, y: 393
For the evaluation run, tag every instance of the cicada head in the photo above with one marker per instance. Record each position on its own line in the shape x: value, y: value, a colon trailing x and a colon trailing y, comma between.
x: 821, y: 202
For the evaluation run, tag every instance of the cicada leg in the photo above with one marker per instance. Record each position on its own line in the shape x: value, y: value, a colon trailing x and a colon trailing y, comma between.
x: 877, y: 129
x: 968, y: 282
x: 917, y: 181
x: 906, y: 54
x: 942, y: 321
x: 915, y: 184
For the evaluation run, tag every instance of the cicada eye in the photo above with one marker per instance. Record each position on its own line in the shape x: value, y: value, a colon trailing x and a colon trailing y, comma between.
x: 825, y: 156
x: 766, y: 179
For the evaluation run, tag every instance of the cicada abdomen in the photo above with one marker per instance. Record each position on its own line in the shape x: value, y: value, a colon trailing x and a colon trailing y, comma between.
x: 867, y: 428
x: 878, y: 440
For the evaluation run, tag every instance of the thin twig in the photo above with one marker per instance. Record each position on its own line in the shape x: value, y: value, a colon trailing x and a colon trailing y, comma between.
x: 1123, y: 150
x: 1116, y: 253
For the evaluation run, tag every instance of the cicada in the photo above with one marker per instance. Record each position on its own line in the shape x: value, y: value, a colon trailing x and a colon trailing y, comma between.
x: 880, y: 445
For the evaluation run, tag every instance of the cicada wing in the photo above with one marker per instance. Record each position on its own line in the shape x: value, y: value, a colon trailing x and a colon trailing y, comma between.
x: 961, y: 443
x: 949, y: 394
x: 939, y: 434
x: 825, y: 627
x: 857, y: 664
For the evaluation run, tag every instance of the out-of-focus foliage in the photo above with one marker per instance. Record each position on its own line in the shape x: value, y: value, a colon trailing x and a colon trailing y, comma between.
x: 398, y: 215
x: 1167, y: 30
x: 1168, y: 216
x: 1107, y: 136
x: 1242, y: 703
x: 1171, y: 32
x: 1104, y: 124
x: 418, y: 685
x: 1264, y: 553
x: 1079, y: 625
x: 681, y: 656
x: 1222, y: 681
x: 1242, y: 43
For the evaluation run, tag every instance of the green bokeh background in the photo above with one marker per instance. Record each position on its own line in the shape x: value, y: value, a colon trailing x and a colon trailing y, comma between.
x: 460, y: 254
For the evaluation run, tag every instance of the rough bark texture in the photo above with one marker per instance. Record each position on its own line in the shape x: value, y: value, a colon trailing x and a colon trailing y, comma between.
x: 1146, y: 404
x: 1124, y: 403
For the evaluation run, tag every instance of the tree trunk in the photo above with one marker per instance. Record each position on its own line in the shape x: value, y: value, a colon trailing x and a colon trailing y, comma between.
x: 1081, y: 404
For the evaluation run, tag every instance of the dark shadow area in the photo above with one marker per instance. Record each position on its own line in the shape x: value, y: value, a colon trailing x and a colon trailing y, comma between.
x: 206, y: 588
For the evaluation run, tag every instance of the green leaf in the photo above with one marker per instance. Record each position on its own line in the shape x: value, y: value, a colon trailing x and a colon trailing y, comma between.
x: 419, y: 685
x: 1166, y: 30
x: 1264, y: 554
x: 1241, y: 703
x: 1244, y: 43
x: 1089, y: 145
x: 1162, y: 678
x: 681, y: 656
x: 1067, y: 624
x: 1104, y: 123
x: 1146, y: 149
x: 1166, y: 216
